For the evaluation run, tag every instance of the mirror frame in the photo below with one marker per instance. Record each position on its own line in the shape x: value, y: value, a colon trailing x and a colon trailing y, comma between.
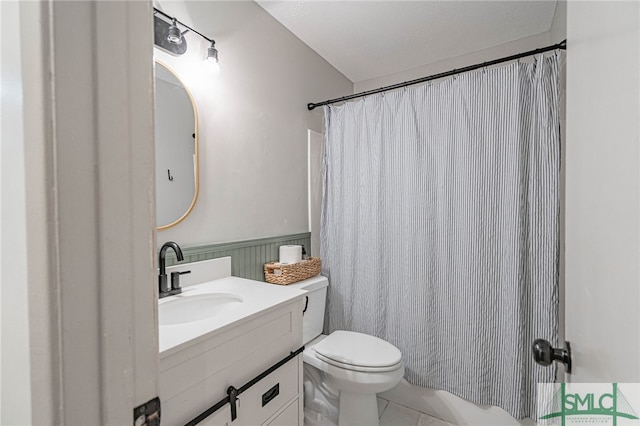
x: 196, y: 162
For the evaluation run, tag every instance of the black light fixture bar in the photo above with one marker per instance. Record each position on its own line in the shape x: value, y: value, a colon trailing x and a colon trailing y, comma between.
x: 561, y: 45
x: 171, y: 18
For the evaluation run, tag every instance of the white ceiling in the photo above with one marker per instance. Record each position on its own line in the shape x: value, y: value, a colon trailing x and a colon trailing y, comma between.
x: 368, y: 39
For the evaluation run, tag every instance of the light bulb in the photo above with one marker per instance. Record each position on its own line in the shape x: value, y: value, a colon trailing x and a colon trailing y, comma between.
x: 212, y: 66
x: 211, y: 61
x: 174, y: 35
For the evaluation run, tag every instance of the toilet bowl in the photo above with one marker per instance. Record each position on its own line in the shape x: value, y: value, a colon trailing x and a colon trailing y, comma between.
x: 343, y: 368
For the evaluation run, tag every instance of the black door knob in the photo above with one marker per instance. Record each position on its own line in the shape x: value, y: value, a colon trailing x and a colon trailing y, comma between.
x: 545, y: 354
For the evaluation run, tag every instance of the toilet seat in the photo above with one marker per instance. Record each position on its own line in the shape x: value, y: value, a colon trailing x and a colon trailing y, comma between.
x: 358, y: 352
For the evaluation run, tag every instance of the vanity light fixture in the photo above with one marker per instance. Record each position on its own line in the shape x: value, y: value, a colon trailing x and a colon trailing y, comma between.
x: 174, y: 37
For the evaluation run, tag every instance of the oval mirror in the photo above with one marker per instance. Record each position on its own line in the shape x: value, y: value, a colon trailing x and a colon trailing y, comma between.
x: 176, y: 145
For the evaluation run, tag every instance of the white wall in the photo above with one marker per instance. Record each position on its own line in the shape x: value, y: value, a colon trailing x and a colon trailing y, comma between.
x: 558, y: 31
x: 253, y: 122
x: 518, y: 46
x: 316, y: 186
x: 602, y: 200
x: 15, y: 379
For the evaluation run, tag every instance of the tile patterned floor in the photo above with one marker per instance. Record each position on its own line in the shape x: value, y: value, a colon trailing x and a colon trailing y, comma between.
x: 392, y: 414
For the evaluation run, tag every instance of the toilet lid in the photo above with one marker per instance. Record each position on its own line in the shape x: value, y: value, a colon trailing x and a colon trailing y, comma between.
x: 359, y: 350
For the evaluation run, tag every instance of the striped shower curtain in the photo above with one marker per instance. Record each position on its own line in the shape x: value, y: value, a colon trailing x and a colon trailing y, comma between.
x: 440, y: 228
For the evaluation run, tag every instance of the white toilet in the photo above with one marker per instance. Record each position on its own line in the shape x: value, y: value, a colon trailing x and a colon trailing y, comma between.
x: 345, y: 370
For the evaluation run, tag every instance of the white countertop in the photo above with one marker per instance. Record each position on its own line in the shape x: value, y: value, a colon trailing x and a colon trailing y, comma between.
x: 258, y: 297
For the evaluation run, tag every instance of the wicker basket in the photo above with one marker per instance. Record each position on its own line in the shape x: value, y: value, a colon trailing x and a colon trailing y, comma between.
x: 283, y: 274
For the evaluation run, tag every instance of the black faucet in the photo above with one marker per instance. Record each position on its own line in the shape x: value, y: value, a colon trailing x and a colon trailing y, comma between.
x: 165, y: 288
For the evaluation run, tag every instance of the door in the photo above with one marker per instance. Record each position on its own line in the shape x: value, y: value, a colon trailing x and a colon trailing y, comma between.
x: 601, y: 217
x: 602, y: 252
x: 88, y: 107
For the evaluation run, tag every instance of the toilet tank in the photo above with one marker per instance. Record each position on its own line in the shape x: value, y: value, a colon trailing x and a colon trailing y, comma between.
x: 313, y: 319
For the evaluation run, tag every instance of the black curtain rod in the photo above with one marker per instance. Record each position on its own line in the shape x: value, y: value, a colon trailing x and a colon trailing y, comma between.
x: 155, y: 10
x: 561, y: 45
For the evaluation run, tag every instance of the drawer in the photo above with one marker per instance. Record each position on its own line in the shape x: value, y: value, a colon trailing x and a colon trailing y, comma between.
x: 270, y: 394
x: 290, y: 416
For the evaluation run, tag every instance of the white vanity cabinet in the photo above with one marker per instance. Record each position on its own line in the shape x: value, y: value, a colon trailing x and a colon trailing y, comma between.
x: 196, y: 374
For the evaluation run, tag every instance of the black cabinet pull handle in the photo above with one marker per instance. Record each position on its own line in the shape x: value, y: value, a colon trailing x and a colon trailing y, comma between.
x: 270, y: 394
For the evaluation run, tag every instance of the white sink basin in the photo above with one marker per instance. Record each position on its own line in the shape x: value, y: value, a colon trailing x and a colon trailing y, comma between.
x: 197, y: 307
